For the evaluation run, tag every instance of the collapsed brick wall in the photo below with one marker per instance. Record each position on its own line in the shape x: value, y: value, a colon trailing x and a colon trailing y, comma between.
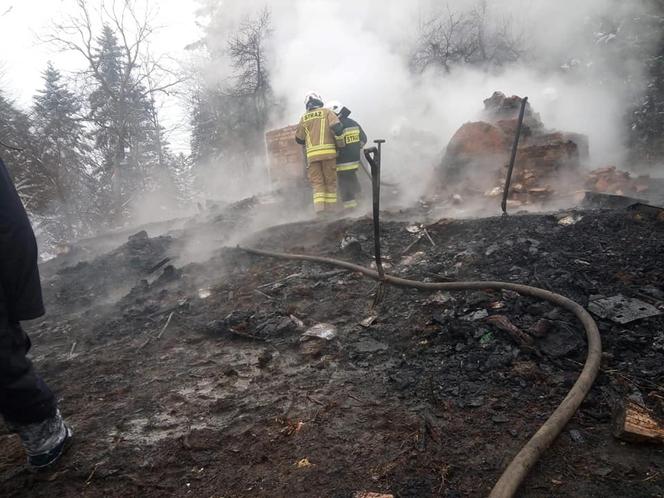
x: 614, y: 181
x: 476, y: 158
x: 285, y: 157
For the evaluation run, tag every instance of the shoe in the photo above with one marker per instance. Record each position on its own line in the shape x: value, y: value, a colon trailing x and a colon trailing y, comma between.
x: 45, y: 460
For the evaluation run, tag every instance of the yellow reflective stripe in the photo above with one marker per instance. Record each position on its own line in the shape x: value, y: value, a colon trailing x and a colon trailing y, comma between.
x: 353, y: 130
x: 350, y: 204
x: 323, y: 152
x: 322, y: 131
x: 314, y: 155
x: 348, y: 166
x: 322, y: 146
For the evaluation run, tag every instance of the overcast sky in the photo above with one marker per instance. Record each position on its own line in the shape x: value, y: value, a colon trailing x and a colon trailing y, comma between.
x: 23, y: 57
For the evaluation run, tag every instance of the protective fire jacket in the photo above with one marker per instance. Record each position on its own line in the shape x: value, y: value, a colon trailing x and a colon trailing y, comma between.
x: 317, y: 130
x: 350, y: 142
x: 20, y: 289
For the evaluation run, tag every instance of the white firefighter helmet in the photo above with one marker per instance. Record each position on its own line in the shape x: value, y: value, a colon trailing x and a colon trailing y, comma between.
x: 311, y: 96
x: 335, y: 106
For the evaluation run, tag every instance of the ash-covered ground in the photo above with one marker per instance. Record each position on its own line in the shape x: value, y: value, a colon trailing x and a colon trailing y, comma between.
x: 181, y: 362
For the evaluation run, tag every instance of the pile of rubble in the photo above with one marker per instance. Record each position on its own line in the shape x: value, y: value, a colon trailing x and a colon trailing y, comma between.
x: 611, y: 180
x: 477, y: 156
x: 549, y: 164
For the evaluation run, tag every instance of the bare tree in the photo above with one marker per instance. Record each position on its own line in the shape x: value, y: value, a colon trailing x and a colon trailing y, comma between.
x: 134, y: 78
x: 440, y: 42
x: 471, y: 37
x: 497, y: 42
x: 248, y: 56
x: 134, y: 29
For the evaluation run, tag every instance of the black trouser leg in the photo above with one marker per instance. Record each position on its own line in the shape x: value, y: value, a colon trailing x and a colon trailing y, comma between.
x: 24, y: 396
x: 349, y: 187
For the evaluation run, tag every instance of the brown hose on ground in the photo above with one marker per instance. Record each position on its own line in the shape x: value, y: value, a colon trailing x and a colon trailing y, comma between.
x: 521, y: 464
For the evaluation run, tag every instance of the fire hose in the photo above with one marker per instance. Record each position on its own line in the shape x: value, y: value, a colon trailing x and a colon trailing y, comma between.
x: 527, y: 457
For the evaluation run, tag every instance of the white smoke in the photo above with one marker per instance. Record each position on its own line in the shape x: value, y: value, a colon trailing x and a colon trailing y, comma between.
x: 358, y: 53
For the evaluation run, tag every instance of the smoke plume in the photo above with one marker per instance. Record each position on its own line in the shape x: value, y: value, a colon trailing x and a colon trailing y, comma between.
x: 359, y: 53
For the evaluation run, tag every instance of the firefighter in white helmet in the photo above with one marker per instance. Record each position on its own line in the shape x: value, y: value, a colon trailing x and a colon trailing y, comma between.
x: 316, y: 131
x: 350, y: 142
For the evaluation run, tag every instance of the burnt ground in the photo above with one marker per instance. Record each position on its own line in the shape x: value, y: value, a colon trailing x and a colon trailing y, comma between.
x: 192, y: 379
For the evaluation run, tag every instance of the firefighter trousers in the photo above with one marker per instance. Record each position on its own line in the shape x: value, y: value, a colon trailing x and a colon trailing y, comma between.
x: 24, y: 396
x: 323, y: 178
x: 349, y: 188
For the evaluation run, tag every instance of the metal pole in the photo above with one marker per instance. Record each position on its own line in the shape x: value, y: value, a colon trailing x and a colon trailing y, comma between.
x: 373, y: 158
x: 379, y: 142
x: 508, y: 180
x: 379, y: 160
x: 376, y: 207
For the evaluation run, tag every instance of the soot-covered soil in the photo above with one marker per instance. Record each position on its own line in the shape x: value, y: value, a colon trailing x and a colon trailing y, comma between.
x: 193, y: 379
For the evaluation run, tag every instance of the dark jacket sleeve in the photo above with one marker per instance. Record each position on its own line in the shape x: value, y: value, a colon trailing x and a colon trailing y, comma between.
x: 363, y: 136
x: 19, y: 273
x: 335, y: 124
x: 337, y: 129
x: 300, y: 133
